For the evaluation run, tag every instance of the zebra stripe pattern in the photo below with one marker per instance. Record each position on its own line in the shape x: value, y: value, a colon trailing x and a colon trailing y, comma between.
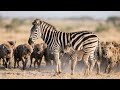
x: 57, y: 40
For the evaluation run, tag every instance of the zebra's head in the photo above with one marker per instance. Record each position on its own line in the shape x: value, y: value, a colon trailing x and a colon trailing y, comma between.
x: 35, y: 31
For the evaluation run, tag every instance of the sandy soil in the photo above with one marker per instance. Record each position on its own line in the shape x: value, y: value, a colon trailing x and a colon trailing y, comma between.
x: 48, y: 73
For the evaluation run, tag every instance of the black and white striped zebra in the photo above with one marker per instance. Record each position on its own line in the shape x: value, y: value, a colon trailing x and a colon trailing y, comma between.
x: 57, y: 40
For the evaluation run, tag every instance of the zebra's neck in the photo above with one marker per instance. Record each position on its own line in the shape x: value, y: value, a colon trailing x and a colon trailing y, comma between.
x: 50, y: 35
x: 48, y: 32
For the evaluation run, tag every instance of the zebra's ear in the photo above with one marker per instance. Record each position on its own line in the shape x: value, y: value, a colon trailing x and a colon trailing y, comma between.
x: 36, y: 22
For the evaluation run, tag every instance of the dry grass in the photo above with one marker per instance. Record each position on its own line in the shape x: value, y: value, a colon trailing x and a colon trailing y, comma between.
x: 22, y: 34
x: 48, y: 73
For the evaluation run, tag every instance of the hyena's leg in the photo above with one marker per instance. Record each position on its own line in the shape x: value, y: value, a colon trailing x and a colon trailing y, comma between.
x: 26, y: 60
x: 5, y: 62
x: 23, y: 62
x: 111, y: 66
x: 35, y: 63
x: 15, y: 60
x: 31, y: 61
x: 106, y: 67
x: 18, y: 63
x: 39, y: 62
x: 9, y: 62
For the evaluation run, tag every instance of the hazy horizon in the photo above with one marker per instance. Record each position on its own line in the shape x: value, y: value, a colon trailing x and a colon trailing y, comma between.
x: 59, y: 14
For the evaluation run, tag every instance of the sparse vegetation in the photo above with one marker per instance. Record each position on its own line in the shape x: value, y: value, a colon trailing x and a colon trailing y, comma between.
x: 101, y: 28
x: 9, y: 27
x: 115, y: 21
x: 84, y: 18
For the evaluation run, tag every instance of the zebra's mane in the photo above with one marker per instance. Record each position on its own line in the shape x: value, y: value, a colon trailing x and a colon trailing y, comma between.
x: 65, y: 32
x: 50, y: 25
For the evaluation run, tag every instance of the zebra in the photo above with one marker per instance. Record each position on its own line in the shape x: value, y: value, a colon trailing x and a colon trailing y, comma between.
x: 57, y: 40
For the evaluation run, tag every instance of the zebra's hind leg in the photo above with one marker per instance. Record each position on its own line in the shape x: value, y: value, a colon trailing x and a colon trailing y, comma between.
x: 98, y: 66
x: 87, y: 64
x: 93, y: 61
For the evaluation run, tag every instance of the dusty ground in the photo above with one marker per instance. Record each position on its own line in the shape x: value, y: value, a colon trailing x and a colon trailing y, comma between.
x: 48, y: 73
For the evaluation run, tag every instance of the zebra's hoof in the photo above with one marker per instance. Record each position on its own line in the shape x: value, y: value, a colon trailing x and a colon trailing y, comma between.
x: 99, y: 73
x: 57, y: 73
x: 72, y: 73
x: 86, y: 73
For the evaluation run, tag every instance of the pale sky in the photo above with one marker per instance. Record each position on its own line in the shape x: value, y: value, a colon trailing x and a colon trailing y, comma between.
x: 59, y: 14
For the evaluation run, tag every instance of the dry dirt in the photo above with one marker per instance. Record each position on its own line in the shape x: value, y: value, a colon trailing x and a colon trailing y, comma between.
x: 48, y: 73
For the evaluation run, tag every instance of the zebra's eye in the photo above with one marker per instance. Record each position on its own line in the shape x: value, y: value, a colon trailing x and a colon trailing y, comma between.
x: 36, y: 30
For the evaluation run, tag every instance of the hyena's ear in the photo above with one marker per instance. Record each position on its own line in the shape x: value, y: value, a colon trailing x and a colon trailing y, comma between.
x: 44, y: 45
x: 37, y: 22
x: 12, y: 43
x: 110, y: 47
x: 3, y: 46
x: 107, y: 43
x: 23, y: 46
x: 32, y: 46
x: 69, y: 45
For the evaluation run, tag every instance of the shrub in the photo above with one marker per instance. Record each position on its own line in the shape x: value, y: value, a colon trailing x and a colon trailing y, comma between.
x: 9, y: 27
x: 114, y: 20
x: 101, y: 28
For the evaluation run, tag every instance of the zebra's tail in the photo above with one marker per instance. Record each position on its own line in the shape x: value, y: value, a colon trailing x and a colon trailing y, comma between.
x: 99, y: 51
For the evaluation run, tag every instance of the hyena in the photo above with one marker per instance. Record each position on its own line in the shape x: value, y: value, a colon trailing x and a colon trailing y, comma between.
x: 112, y: 56
x: 38, y: 53
x: 22, y: 53
x: 6, y: 53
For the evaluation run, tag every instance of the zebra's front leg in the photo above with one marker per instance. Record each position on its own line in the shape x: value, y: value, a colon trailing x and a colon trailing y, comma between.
x: 73, y: 64
x: 58, y: 63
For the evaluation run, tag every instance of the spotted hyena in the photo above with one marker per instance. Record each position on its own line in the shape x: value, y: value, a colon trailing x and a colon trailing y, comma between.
x: 22, y: 53
x: 6, y: 53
